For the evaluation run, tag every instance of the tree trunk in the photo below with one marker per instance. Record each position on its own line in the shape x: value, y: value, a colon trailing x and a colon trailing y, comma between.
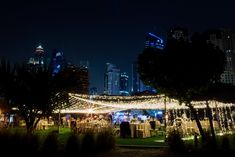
x: 194, y: 112
x: 210, y: 121
x: 35, y: 124
x: 30, y: 125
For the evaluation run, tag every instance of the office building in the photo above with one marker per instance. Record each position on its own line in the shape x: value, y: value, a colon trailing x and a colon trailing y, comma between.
x: 225, y: 40
x: 93, y: 91
x: 178, y: 33
x: 58, y: 61
x: 112, y: 80
x: 124, y: 84
x: 137, y: 84
x: 151, y: 40
x: 39, y: 58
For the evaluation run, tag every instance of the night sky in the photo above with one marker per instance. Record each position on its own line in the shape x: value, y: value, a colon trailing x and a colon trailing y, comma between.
x: 101, y: 31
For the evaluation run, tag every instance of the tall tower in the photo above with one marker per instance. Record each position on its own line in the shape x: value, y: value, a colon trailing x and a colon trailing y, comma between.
x: 151, y: 40
x: 137, y: 83
x: 39, y: 55
x: 225, y: 40
x: 112, y: 80
x: 39, y: 59
x: 124, y: 84
x: 178, y: 33
x: 135, y: 79
x: 58, y: 61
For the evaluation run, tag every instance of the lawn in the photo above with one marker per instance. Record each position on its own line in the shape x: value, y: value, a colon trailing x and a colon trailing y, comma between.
x: 65, y: 132
x: 150, y: 141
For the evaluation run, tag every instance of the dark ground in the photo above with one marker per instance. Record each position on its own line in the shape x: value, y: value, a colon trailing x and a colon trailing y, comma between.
x: 158, y: 152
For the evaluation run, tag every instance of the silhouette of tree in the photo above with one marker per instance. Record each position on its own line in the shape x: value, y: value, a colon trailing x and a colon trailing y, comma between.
x: 35, y: 92
x: 182, y: 69
x: 219, y: 92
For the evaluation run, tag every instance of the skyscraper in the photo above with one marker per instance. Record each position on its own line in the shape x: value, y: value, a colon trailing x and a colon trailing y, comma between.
x: 151, y: 40
x: 84, y: 64
x: 178, y: 33
x: 93, y: 91
x: 135, y: 79
x: 80, y: 76
x: 137, y: 84
x: 112, y: 80
x: 225, y: 40
x: 58, y: 61
x: 124, y: 84
x: 39, y: 59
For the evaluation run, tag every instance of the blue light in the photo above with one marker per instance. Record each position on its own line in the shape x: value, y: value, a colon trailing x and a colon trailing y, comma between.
x: 58, y: 54
x: 159, y: 112
x: 151, y: 34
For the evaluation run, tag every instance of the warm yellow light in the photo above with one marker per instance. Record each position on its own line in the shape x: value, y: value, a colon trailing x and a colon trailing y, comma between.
x: 104, y: 104
x: 14, y: 108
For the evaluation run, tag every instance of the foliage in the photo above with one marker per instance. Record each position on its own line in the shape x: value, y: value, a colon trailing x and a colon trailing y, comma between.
x: 221, y: 92
x: 182, y: 69
x: 88, y: 143
x: 14, y: 144
x: 50, y: 146
x: 72, y: 145
x: 105, y: 140
x: 48, y: 143
x: 35, y: 92
x: 175, y: 142
x: 225, y: 144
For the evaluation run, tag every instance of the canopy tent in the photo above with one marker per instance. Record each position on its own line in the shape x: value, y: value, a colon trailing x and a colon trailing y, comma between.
x: 80, y: 103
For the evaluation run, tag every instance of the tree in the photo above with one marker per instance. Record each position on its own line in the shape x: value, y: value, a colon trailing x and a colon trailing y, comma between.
x: 36, y: 93
x: 5, y: 76
x: 182, y: 69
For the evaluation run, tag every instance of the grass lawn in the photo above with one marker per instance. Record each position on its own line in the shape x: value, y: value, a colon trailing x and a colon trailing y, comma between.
x: 64, y: 133
x: 151, y: 141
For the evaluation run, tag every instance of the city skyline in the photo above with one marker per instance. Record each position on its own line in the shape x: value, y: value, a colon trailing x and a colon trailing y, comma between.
x: 101, y: 31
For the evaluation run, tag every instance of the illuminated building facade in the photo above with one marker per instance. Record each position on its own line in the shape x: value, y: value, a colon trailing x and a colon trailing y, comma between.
x: 84, y: 64
x: 151, y: 40
x: 93, y: 91
x: 39, y: 59
x: 137, y: 84
x: 58, y: 61
x: 112, y: 80
x: 80, y: 74
x: 178, y: 33
x: 124, y: 84
x: 225, y: 40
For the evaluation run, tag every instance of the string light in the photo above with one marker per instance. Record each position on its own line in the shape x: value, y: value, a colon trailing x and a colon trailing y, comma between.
x: 103, y: 104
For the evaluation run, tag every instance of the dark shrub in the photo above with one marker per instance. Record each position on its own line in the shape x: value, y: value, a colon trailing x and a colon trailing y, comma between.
x: 175, y: 142
x: 72, y: 146
x: 225, y: 145
x: 32, y: 145
x: 88, y: 143
x: 5, y: 143
x: 208, y: 145
x: 233, y: 140
x: 50, y: 145
x: 105, y: 140
x: 18, y: 144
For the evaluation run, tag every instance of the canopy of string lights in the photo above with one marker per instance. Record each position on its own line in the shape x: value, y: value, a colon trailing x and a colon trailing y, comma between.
x: 104, y: 104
